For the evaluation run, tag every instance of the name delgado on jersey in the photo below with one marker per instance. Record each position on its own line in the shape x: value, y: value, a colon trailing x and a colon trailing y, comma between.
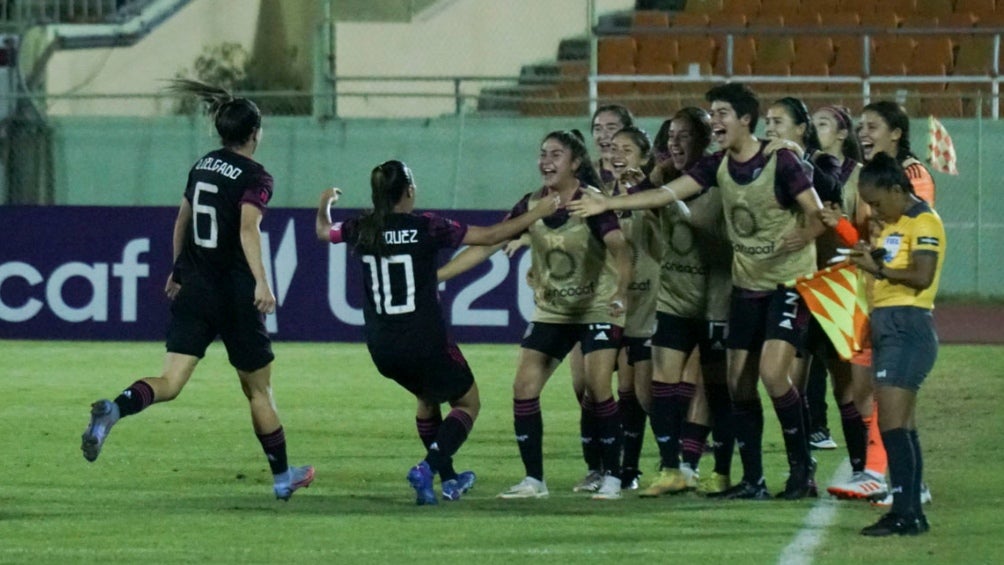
x: 219, y: 166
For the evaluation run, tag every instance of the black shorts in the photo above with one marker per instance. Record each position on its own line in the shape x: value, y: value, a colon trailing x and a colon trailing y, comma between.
x: 556, y: 340
x: 226, y: 309
x: 684, y: 334
x: 638, y: 349
x: 781, y: 314
x: 435, y: 372
x: 904, y: 345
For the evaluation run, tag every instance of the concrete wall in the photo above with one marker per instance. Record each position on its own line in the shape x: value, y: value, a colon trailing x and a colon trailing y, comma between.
x: 462, y: 162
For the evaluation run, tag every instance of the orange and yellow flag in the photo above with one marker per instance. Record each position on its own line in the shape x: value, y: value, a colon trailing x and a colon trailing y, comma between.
x: 836, y: 297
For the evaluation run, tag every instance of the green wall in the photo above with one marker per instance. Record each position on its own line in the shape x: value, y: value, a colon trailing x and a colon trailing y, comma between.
x: 465, y: 162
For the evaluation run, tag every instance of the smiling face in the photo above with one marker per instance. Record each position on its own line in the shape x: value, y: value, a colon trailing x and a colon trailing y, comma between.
x: 781, y: 125
x: 876, y: 136
x: 681, y: 144
x: 626, y: 154
x: 886, y: 204
x: 556, y: 165
x: 727, y: 129
x: 605, y: 125
x: 831, y: 137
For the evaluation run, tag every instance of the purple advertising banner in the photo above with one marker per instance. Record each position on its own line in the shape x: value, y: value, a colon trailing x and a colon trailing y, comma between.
x: 69, y: 272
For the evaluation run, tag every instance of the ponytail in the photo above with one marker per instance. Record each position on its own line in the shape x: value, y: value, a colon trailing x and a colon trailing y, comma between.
x: 388, y: 183
x: 236, y: 119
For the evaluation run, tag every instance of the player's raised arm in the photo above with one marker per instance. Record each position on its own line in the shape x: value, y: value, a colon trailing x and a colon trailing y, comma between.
x: 322, y: 224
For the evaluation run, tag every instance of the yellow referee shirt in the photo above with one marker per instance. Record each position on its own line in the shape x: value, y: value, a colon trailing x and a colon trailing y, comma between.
x: 919, y: 230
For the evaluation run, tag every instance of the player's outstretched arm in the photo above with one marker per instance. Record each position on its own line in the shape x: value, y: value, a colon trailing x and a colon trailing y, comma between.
x: 593, y: 203
x: 503, y: 231
x: 322, y: 224
x: 466, y: 260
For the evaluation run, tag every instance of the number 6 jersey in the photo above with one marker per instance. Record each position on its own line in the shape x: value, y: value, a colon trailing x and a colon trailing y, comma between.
x: 218, y: 185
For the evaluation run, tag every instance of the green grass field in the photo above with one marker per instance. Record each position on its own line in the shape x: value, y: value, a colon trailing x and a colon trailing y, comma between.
x: 186, y: 481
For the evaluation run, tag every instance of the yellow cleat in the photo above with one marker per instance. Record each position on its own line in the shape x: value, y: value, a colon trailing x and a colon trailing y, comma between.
x: 670, y: 481
x: 716, y: 483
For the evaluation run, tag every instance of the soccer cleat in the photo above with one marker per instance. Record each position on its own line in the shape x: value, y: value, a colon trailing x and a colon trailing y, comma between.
x: 892, y: 524
x: 801, y: 482
x: 862, y: 486
x: 527, y: 488
x: 745, y: 490
x: 590, y: 483
x: 610, y: 489
x: 821, y: 439
x: 629, y: 478
x: 299, y: 477
x: 104, y: 414
x: 886, y: 500
x: 671, y: 481
x: 420, y: 477
x: 715, y: 483
x: 453, y: 489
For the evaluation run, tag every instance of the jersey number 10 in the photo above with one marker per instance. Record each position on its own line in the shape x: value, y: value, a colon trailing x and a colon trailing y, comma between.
x: 400, y: 266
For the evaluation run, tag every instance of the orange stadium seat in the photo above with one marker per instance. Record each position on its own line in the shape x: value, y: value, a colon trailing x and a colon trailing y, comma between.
x: 974, y: 55
x: 819, y: 6
x: 901, y: 7
x: 934, y: 7
x: 802, y: 19
x: 695, y: 49
x: 810, y: 51
x: 616, y: 56
x: 703, y: 6
x: 861, y: 7
x: 728, y: 19
x: 779, y: 7
x: 653, y: 47
x: 774, y: 51
x: 689, y: 19
x: 767, y: 21
x: 650, y: 19
x: 995, y: 19
x: 743, y: 56
x: 748, y: 7
x: 920, y: 21
x: 958, y: 20
x: 847, y: 58
x: 882, y: 20
x: 892, y: 54
x: 978, y: 7
x: 930, y: 52
x: 839, y: 19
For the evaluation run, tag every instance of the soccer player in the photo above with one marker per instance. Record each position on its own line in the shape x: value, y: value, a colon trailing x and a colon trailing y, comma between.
x: 608, y: 120
x: 691, y: 322
x: 642, y: 229
x: 406, y: 333
x: 789, y: 122
x: 885, y: 128
x: 218, y: 286
x: 582, y: 269
x: 903, y: 336
x: 772, y: 216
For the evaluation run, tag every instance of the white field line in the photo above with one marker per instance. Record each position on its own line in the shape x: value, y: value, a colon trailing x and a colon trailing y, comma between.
x: 808, y: 538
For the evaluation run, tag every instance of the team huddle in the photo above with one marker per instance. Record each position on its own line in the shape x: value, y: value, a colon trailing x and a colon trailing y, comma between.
x: 666, y: 262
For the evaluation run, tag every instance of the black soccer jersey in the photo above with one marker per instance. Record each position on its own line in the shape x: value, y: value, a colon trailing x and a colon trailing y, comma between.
x: 401, y: 286
x: 218, y: 185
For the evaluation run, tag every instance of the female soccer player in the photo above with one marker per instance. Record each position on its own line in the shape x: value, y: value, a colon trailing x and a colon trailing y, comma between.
x: 788, y: 121
x: 691, y: 314
x: 405, y: 330
x: 885, y: 128
x: 631, y: 158
x: 772, y: 216
x: 582, y: 269
x: 903, y: 337
x: 218, y: 286
x: 608, y: 120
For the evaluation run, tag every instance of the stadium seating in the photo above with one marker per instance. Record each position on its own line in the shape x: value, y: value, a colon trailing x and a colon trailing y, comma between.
x: 697, y: 39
